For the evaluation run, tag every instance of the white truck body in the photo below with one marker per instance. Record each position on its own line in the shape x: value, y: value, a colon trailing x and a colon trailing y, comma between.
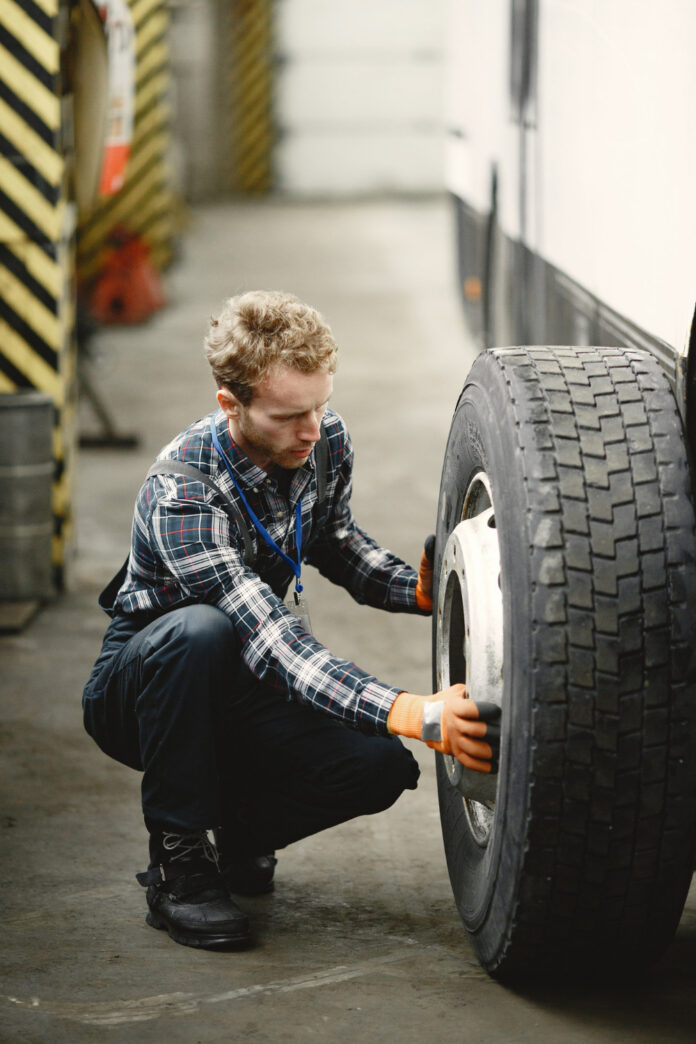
x: 585, y: 111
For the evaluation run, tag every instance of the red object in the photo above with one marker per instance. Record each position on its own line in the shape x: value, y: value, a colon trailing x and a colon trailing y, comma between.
x: 128, y: 288
x: 112, y: 175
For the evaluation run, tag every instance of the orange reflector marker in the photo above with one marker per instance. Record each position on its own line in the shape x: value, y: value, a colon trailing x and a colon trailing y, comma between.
x: 473, y: 289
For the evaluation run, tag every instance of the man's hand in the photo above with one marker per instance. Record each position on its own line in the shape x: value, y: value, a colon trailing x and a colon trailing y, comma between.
x: 470, y: 729
x: 452, y: 724
x: 424, y: 586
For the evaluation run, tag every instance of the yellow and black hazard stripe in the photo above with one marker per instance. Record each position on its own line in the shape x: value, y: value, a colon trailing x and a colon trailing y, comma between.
x: 37, y: 348
x: 250, y: 97
x: 31, y: 165
x: 146, y: 204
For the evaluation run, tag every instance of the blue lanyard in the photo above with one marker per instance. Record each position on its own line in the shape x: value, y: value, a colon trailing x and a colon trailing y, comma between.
x: 295, y: 566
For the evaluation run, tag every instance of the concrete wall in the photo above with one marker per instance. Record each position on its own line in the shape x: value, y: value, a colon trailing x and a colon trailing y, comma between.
x: 359, y: 96
x: 195, y: 101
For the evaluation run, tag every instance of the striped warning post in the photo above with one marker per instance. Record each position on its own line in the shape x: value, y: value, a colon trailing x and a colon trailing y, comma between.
x: 146, y: 204
x: 250, y: 96
x: 37, y: 345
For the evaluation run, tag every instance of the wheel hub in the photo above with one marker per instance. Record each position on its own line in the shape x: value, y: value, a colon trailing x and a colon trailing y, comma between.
x: 470, y: 630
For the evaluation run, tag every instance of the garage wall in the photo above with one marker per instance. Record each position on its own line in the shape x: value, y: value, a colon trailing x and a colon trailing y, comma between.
x: 359, y: 96
x: 196, y: 146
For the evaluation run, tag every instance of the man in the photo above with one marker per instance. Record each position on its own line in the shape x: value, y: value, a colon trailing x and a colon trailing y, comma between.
x: 242, y: 724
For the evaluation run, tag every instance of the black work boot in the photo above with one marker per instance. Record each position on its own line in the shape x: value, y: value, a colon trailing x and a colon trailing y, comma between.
x: 243, y: 874
x: 249, y: 875
x: 187, y: 896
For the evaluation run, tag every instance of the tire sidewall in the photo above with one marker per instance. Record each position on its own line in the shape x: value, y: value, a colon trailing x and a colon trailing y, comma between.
x: 483, y: 438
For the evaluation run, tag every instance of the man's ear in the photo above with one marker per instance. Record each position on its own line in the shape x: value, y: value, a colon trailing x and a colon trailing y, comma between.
x: 228, y: 403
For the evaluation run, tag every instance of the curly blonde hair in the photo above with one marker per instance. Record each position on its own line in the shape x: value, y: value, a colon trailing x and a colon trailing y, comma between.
x: 263, y: 328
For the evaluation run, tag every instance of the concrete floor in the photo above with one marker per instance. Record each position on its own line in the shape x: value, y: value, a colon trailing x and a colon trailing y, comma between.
x: 361, y: 939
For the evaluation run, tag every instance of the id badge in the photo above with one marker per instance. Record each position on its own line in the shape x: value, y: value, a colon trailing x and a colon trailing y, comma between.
x: 297, y: 604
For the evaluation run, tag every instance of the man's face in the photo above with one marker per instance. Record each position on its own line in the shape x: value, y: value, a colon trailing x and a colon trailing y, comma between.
x: 282, y: 422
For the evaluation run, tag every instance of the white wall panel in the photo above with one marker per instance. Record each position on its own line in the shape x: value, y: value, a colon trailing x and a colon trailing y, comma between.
x: 358, y: 93
x: 341, y: 164
x: 359, y: 25
x: 359, y: 98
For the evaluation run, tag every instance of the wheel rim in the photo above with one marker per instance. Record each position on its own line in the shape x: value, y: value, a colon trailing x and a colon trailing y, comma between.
x: 469, y: 645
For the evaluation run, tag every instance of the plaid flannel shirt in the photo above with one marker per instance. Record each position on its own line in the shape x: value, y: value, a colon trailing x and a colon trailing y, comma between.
x: 186, y: 549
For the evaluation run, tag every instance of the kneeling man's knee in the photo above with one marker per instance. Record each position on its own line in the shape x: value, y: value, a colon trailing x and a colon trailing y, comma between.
x: 390, y: 769
x: 202, y: 629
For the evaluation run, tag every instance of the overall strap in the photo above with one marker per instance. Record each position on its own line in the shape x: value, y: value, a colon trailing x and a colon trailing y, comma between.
x: 179, y: 467
x: 321, y: 466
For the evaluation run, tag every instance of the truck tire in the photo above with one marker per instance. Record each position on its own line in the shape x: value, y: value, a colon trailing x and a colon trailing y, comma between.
x: 565, y: 590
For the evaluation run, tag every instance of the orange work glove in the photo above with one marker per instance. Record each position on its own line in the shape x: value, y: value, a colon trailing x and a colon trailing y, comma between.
x: 452, y: 724
x: 424, y: 586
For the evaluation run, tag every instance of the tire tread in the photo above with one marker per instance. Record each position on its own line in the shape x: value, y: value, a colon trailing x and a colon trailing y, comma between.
x: 613, y: 811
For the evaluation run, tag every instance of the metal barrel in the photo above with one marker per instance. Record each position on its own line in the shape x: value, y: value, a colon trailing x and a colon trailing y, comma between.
x: 26, y: 475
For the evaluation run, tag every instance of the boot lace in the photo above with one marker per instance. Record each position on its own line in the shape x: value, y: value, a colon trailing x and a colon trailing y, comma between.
x: 189, y: 846
x: 197, y: 878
